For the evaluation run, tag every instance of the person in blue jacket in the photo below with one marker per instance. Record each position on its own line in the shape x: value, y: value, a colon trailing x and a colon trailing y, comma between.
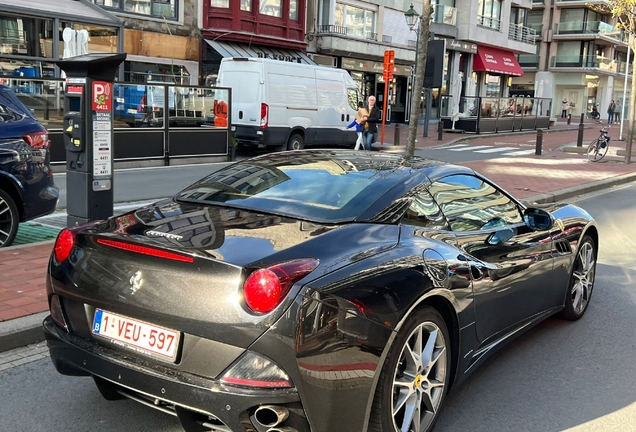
x: 359, y: 124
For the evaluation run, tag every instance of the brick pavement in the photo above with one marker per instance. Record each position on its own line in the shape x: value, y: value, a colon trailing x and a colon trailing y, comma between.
x: 23, y: 268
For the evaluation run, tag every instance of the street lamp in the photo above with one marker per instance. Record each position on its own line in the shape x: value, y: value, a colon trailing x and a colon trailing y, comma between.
x: 411, y: 16
x: 423, y: 35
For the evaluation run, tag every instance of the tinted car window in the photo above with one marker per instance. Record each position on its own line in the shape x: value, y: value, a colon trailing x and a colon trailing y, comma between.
x: 424, y: 212
x: 471, y: 204
x: 323, y: 189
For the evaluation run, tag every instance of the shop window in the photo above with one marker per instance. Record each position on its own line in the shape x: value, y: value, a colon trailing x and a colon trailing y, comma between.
x: 26, y: 36
x: 99, y: 40
x: 357, y: 21
x: 156, y: 8
x: 224, y: 4
x: 271, y: 8
x: 246, y: 5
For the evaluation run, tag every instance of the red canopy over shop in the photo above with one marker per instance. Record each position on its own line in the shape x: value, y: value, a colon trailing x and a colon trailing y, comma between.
x: 496, y: 61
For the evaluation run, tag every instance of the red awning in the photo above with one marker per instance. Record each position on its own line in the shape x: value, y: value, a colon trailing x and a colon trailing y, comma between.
x: 496, y: 60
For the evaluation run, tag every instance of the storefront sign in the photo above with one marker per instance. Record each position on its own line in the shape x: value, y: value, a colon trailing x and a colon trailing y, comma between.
x: 461, y: 46
x: 374, y: 67
x: 281, y: 57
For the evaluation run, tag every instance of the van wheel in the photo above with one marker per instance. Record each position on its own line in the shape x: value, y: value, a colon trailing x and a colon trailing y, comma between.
x: 296, y: 142
x: 9, y: 219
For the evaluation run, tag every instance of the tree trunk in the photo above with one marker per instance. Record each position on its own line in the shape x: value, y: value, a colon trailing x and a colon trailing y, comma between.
x: 421, y: 53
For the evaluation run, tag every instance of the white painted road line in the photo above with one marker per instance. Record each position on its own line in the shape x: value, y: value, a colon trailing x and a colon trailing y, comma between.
x: 496, y: 149
x: 471, y: 148
x: 519, y: 153
x: 454, y: 146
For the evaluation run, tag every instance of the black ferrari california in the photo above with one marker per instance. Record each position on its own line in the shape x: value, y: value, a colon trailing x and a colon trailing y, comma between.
x: 318, y: 291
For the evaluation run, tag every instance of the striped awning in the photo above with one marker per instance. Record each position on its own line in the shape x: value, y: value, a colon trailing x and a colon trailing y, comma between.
x: 233, y: 49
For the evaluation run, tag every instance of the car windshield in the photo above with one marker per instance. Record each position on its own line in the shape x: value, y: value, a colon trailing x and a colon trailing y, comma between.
x: 320, y: 186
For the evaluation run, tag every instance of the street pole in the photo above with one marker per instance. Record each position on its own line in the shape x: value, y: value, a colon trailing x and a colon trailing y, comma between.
x: 620, y: 138
x: 420, y: 66
x: 632, y: 112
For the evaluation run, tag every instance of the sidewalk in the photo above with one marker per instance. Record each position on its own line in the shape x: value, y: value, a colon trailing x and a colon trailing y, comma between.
x: 553, y: 176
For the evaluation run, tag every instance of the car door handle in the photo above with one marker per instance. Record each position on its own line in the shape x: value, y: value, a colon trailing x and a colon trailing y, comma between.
x: 341, y: 117
x: 347, y: 117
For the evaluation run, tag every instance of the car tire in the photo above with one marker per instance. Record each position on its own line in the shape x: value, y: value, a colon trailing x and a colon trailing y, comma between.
x: 295, y: 142
x: 408, y: 383
x: 581, y: 285
x: 9, y: 219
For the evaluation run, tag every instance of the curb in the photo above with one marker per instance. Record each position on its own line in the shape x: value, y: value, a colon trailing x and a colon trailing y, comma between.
x: 20, y: 332
x: 27, y: 330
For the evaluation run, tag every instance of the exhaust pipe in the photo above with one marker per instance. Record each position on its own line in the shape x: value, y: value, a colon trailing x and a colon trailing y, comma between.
x: 270, y: 416
x: 282, y: 429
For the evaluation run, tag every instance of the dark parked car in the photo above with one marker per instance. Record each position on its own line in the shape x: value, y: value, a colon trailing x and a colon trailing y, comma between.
x: 315, y: 291
x: 27, y: 190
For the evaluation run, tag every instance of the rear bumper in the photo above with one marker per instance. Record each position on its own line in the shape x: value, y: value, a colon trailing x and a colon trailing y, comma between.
x: 73, y: 355
x: 253, y: 135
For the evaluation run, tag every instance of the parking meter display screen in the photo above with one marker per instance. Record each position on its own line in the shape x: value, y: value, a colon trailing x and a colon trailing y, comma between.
x: 74, y: 104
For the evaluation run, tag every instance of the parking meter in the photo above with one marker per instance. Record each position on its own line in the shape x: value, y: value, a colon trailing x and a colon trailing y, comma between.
x: 88, y: 135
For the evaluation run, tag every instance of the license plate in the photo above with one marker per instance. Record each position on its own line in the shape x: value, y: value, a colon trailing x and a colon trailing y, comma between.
x: 139, y: 336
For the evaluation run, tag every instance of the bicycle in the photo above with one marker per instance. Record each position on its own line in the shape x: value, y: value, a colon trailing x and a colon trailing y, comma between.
x: 598, y: 148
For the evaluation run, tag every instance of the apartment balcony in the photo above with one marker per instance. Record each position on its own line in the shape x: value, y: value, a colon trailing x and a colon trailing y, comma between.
x: 598, y: 30
x: 580, y: 3
x: 528, y: 61
x: 522, y: 33
x: 345, y: 31
x: 538, y: 28
x: 488, y: 22
x: 584, y: 63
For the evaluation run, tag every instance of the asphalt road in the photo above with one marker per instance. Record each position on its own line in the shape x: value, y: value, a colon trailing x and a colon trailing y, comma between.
x: 560, y: 376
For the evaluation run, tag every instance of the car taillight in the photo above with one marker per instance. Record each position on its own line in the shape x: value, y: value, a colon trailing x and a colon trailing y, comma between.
x: 266, y: 288
x: 253, y: 370
x: 38, y: 140
x: 64, y: 244
x: 264, y: 115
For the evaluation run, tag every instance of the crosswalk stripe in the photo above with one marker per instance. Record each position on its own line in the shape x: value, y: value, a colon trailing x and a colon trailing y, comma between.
x: 496, y: 149
x: 455, y: 146
x: 471, y: 148
x: 519, y: 153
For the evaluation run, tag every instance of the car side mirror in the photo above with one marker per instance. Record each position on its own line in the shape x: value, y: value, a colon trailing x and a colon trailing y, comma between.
x: 500, y: 237
x: 538, y: 219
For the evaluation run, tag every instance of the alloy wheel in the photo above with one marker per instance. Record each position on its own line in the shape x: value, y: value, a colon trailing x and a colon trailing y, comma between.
x: 583, y: 275
x: 419, y: 379
x: 6, y: 221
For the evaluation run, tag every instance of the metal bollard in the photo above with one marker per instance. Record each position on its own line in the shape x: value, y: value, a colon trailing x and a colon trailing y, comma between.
x: 537, y: 150
x: 440, y: 130
x: 569, y: 118
x: 579, y: 139
x: 396, y: 135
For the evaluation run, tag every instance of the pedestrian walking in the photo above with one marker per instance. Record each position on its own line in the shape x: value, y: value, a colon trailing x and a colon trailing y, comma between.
x: 359, y: 125
x: 371, y: 125
x: 610, y: 112
x: 618, y: 110
x: 565, y: 106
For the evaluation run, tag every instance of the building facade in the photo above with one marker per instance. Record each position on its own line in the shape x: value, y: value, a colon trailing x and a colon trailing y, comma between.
x: 161, y: 38
x: 581, y: 57
x: 481, y: 41
x: 252, y: 28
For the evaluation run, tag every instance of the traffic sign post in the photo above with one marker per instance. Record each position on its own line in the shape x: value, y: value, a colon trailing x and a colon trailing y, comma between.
x: 389, y: 66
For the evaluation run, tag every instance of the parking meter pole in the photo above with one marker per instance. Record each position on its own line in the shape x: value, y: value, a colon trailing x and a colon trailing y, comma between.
x: 539, y: 146
x: 579, y: 139
x: 88, y: 135
x: 440, y: 130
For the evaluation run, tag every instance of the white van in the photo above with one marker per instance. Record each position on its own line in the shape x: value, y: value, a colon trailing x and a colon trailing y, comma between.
x: 289, y: 105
